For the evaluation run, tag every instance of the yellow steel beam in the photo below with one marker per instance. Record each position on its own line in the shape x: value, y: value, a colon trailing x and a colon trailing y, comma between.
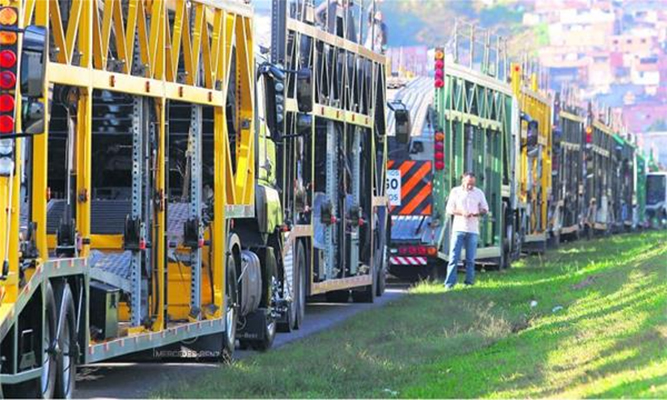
x: 245, y: 152
x: 83, y: 150
x: 40, y: 154
x: 160, y: 218
x: 72, y: 28
x: 220, y: 185
x: 56, y: 29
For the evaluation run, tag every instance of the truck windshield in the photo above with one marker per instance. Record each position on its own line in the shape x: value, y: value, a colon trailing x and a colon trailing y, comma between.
x: 655, y: 189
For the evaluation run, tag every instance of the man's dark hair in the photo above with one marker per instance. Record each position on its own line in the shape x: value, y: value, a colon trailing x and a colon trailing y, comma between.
x: 469, y: 174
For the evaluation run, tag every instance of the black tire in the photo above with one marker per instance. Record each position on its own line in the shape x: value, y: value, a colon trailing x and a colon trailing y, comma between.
x: 382, y: 278
x: 367, y: 293
x: 380, y: 257
x: 508, y: 240
x: 287, y: 326
x: 43, y: 387
x: 292, y: 322
x: 437, y: 270
x: 338, y: 296
x: 67, y: 343
x: 270, y: 329
x: 231, y: 311
x: 269, y: 276
x: 300, y: 288
x: 410, y: 274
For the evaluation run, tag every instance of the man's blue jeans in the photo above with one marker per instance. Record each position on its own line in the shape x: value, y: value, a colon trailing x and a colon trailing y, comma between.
x: 460, y: 239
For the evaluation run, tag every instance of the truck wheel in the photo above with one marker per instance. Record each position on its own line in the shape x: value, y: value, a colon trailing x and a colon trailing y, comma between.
x: 231, y: 311
x: 291, y: 320
x: 270, y: 326
x: 44, y: 386
x: 380, y: 258
x: 269, y: 333
x: 67, y: 342
x: 338, y: 296
x: 382, y: 279
x: 300, y: 288
x: 507, y: 248
x: 367, y: 293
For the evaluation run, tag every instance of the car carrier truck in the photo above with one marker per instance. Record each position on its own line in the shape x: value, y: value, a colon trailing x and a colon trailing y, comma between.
x: 165, y: 187
x: 598, y: 161
x: 656, y: 199
x: 472, y: 125
x: 567, y: 207
x: 533, y: 157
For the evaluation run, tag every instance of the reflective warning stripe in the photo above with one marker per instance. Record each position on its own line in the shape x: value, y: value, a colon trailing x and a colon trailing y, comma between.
x: 407, y: 260
x: 416, y: 187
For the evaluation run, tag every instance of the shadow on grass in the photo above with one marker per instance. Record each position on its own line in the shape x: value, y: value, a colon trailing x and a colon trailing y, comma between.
x: 523, y: 365
x: 454, y: 344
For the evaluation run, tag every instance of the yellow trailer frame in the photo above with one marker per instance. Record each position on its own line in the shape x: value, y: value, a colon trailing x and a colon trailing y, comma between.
x: 534, y: 173
x: 201, y: 39
x: 300, y: 29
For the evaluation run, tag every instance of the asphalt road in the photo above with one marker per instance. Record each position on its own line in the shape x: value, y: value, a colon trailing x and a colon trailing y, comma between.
x: 138, y: 380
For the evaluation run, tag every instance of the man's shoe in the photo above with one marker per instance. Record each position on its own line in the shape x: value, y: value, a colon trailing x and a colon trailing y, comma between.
x: 449, y: 287
x: 468, y: 284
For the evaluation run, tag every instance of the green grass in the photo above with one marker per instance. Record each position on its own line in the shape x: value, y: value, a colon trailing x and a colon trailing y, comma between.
x: 609, y: 340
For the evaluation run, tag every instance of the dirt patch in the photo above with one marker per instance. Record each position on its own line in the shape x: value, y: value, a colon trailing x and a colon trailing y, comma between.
x: 585, y: 283
x: 524, y: 323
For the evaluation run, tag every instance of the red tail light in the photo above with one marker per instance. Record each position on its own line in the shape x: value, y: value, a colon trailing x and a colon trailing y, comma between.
x: 7, y: 59
x: 439, y: 165
x: 439, y: 146
x: 6, y: 124
x: 7, y: 80
x: 439, y: 156
x: 412, y: 250
x: 439, y: 65
x: 439, y: 83
x: 421, y: 250
x: 6, y: 103
x: 402, y: 250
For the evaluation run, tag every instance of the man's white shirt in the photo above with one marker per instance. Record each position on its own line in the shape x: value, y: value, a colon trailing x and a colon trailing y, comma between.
x: 466, y: 202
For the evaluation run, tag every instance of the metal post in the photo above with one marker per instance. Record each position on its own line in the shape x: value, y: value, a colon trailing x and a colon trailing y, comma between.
x: 195, y: 151
x: 332, y: 196
x: 279, y: 31
x: 456, y: 41
x: 356, y: 196
x: 137, y: 206
x: 472, y: 46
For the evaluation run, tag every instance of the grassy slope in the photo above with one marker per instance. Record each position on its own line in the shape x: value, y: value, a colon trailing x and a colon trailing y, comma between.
x: 486, y: 341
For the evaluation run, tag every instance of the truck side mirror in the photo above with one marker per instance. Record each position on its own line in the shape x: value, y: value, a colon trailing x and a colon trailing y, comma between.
x: 33, y: 72
x: 403, y: 126
x: 274, y: 99
x: 304, y: 90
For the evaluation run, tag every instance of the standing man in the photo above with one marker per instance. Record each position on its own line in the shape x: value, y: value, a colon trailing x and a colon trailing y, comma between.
x: 466, y: 203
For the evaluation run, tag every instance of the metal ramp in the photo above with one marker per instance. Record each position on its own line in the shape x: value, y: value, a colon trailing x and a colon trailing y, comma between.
x: 108, y: 218
x: 417, y: 95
